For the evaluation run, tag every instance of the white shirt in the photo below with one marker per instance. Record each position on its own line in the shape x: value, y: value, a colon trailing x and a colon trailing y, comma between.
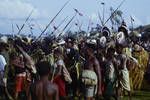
x: 2, y: 63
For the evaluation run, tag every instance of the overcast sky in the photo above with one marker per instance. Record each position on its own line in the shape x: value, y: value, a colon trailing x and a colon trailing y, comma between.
x: 15, y: 11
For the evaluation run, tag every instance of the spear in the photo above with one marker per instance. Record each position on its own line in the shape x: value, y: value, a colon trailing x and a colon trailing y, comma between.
x: 70, y: 27
x: 88, y: 28
x: 25, y: 22
x: 12, y: 26
x: 102, y: 3
x: 31, y: 28
x: 17, y: 27
x: 76, y: 12
x: 79, y: 25
x: 67, y: 24
x: 132, y: 20
x: 53, y: 19
x: 114, y: 12
x: 100, y: 18
x: 55, y: 28
x: 39, y: 27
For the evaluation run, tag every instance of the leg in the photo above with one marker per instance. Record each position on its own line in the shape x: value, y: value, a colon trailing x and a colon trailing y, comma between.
x: 119, y: 92
x: 130, y: 95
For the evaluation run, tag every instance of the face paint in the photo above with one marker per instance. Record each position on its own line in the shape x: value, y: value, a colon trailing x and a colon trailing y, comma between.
x: 120, y: 38
x: 103, y: 41
x: 68, y: 51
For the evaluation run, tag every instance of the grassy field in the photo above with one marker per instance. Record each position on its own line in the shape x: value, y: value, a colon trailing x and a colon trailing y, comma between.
x: 140, y: 95
x: 137, y: 95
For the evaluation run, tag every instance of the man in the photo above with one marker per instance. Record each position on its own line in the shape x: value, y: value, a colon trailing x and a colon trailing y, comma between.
x: 109, y: 74
x: 43, y: 89
x: 142, y: 56
x: 71, y: 59
x: 4, y: 60
x: 2, y: 68
x: 91, y: 75
x: 122, y: 72
x: 124, y: 41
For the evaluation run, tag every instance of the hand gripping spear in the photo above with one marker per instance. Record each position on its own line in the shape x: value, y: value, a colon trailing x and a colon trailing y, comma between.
x: 53, y: 19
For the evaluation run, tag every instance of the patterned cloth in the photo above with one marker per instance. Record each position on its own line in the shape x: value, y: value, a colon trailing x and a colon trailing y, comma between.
x: 140, y: 69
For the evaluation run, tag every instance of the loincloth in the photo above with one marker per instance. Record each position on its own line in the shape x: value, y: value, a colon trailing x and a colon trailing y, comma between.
x: 89, y: 79
x: 20, y: 82
x: 125, y: 81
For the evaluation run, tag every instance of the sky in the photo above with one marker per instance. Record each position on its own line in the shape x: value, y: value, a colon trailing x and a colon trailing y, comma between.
x: 14, y: 12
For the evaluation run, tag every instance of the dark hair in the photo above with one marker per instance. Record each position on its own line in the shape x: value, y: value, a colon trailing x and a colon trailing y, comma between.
x: 91, y: 46
x: 13, y: 55
x: 125, y: 31
x: 111, y: 50
x: 3, y: 46
x: 43, y: 68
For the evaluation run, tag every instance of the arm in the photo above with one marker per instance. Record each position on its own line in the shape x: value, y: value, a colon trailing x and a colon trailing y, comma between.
x: 66, y: 74
x: 98, y: 72
x: 30, y: 63
x: 65, y: 71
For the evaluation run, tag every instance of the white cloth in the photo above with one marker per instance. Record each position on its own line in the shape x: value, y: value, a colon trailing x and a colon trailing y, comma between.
x: 65, y: 73
x: 124, y: 73
x: 2, y: 67
x: 2, y: 63
x: 90, y: 80
x: 89, y: 77
x: 125, y: 81
x: 60, y: 62
x: 111, y: 71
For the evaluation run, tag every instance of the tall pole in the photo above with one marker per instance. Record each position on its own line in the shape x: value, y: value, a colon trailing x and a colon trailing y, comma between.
x: 56, y: 28
x: 132, y: 23
x: 67, y: 24
x: 17, y: 27
x: 31, y: 28
x: 100, y: 18
x: 103, y: 4
x: 114, y: 12
x: 53, y: 19
x: 12, y: 26
x: 76, y: 12
x: 25, y: 22
x: 39, y: 27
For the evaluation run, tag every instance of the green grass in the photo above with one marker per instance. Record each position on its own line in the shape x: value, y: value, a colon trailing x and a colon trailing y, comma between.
x: 137, y: 95
x: 137, y: 98
x: 140, y: 95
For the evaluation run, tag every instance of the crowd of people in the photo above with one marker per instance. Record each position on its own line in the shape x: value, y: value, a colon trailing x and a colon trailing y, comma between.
x: 108, y: 66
